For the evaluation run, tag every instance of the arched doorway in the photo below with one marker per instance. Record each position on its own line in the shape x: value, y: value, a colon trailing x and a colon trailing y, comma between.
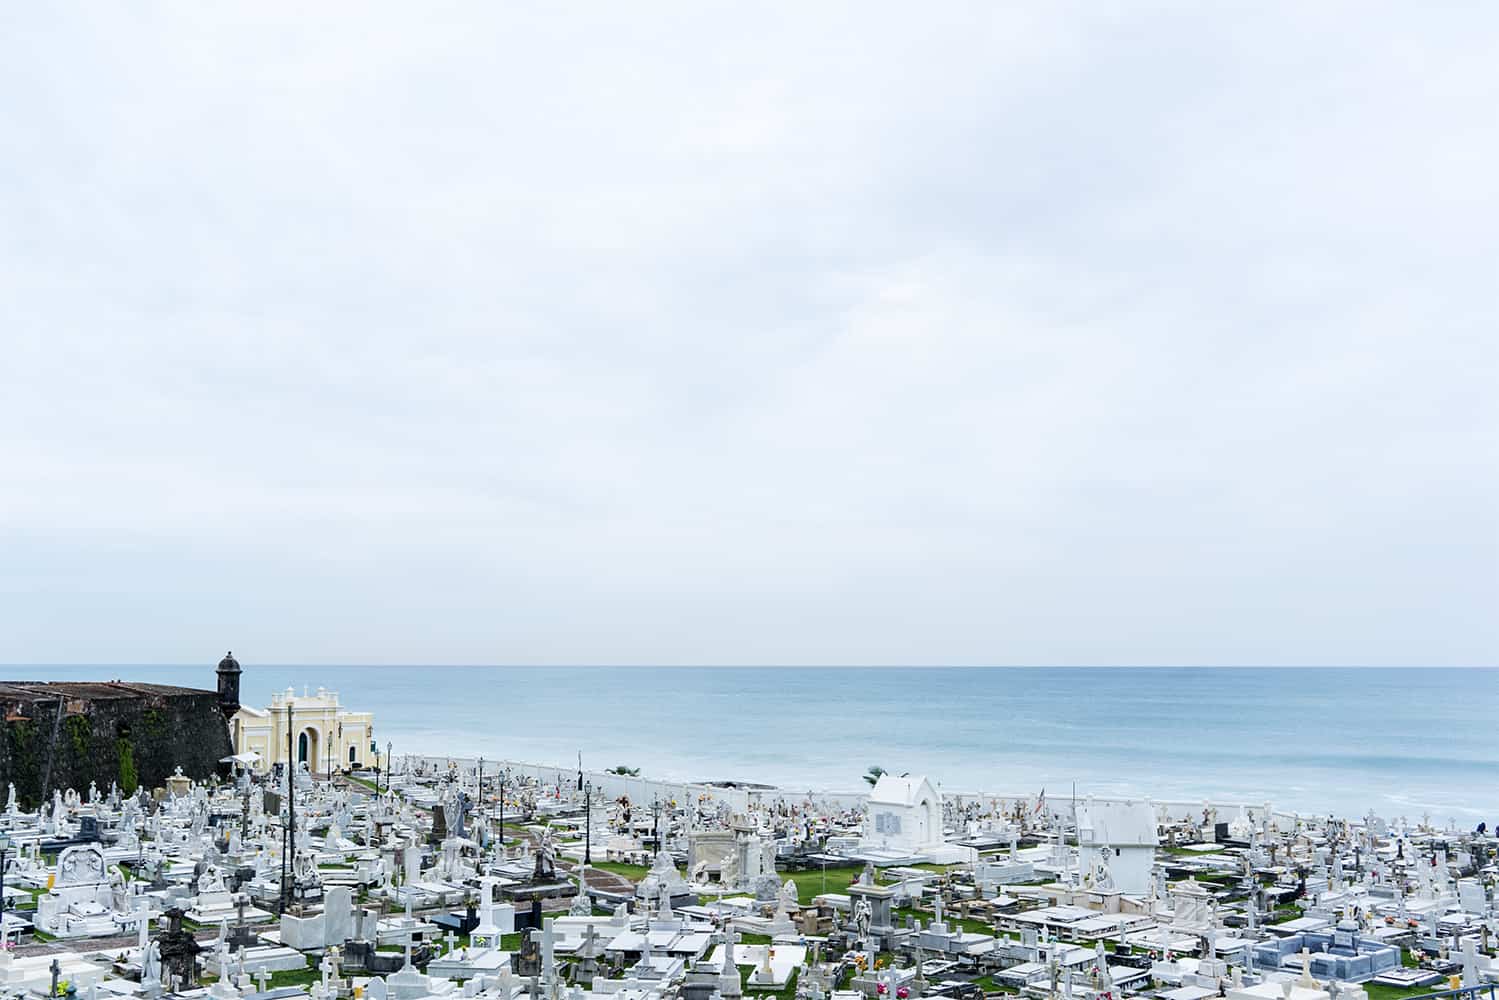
x: 307, y: 748
x: 353, y: 756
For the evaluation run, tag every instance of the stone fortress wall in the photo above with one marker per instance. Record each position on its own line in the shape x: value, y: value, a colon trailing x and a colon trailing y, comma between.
x: 67, y: 734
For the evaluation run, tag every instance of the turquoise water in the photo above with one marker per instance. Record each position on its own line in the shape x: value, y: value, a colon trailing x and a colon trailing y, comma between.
x: 1399, y: 741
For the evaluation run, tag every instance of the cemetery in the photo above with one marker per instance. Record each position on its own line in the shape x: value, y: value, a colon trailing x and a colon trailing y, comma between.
x: 461, y: 877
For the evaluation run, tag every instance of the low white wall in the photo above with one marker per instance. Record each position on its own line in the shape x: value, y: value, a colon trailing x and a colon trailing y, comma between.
x: 642, y: 790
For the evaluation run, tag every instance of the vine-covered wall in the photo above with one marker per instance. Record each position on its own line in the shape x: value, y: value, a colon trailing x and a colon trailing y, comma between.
x: 130, y: 741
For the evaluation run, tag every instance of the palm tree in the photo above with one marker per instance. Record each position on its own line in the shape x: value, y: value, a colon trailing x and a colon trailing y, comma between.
x: 633, y: 772
x: 874, y: 774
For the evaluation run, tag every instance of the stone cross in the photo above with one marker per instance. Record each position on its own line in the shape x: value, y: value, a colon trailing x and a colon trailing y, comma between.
x: 548, y: 940
x: 452, y: 941
x: 729, y: 982
x: 1306, y: 981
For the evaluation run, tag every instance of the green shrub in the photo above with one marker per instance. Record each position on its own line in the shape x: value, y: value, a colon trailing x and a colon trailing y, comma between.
x: 80, y: 734
x: 128, y: 778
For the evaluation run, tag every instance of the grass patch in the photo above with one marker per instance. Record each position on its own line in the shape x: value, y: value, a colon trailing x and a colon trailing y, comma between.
x: 1377, y: 991
x: 294, y: 977
x: 632, y: 872
x: 810, y: 883
x: 1286, y: 914
x: 988, y: 985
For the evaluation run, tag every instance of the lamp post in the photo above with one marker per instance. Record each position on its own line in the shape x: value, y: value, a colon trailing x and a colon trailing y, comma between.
x: 288, y: 870
x: 483, y: 806
x: 389, y: 763
x: 503, y: 773
x: 588, y: 823
x: 4, y: 850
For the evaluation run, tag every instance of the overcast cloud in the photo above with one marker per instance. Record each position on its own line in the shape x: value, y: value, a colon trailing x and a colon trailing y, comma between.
x: 925, y: 333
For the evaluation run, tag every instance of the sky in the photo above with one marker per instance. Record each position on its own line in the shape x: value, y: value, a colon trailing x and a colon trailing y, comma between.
x: 1021, y: 333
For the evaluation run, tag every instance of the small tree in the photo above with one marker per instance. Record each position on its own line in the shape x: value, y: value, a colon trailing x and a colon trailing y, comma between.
x: 874, y: 774
x: 128, y: 779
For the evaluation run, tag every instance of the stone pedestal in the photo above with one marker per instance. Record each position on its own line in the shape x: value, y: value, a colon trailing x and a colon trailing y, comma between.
x: 881, y: 921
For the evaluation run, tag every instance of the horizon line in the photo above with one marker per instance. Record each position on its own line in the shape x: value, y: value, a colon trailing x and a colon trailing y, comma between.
x: 780, y: 666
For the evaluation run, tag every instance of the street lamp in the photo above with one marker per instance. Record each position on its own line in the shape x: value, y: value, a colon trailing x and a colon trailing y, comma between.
x: 588, y: 823
x: 503, y: 772
x: 4, y: 849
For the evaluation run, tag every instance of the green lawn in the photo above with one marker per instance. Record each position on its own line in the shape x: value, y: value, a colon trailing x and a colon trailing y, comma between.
x: 1378, y: 992
x: 1287, y: 913
x: 988, y: 985
x: 810, y: 883
x: 293, y: 977
x: 632, y: 872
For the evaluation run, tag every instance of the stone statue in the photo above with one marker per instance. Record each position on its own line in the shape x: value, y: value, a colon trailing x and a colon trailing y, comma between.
x: 546, y: 857
x: 211, y: 880
x: 728, y: 869
x: 863, y: 915
x: 151, y: 963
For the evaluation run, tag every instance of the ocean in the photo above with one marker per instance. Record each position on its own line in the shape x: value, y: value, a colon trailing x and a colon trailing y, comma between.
x: 1403, y: 742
